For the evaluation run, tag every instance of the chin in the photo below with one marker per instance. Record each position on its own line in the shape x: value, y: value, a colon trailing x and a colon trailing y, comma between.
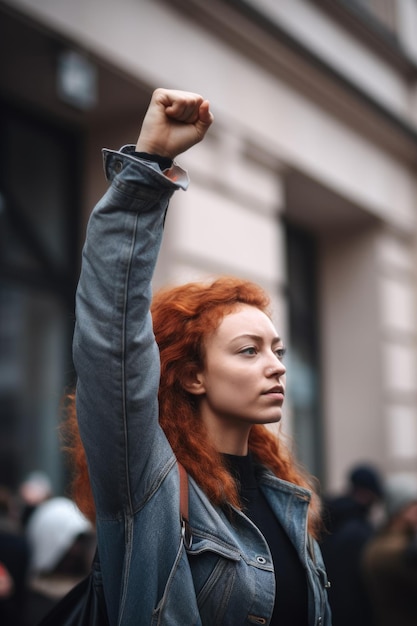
x: 271, y: 420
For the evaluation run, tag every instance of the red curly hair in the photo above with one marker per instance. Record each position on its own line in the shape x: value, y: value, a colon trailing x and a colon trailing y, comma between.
x: 183, y: 317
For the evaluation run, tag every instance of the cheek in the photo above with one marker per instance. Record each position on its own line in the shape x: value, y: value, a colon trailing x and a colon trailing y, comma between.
x: 225, y: 383
x: 228, y: 381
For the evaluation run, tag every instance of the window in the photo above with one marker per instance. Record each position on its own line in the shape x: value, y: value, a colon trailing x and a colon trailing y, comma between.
x: 383, y: 11
x: 38, y: 229
x: 303, y: 378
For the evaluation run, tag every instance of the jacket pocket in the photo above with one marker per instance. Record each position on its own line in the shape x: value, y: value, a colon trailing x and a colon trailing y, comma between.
x: 170, y: 610
x: 214, y: 571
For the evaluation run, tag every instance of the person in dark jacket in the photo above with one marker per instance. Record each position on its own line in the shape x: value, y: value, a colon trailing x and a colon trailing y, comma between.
x: 349, y: 528
x: 14, y: 563
x: 390, y: 558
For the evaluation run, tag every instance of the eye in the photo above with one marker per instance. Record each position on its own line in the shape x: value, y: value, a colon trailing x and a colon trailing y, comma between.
x: 280, y: 352
x: 250, y: 350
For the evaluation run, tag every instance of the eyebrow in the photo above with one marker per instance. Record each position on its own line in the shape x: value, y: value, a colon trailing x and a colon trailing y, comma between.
x: 254, y: 337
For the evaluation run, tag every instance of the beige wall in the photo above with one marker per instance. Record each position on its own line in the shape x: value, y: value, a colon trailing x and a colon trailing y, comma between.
x: 351, y: 345
x: 159, y: 45
x: 270, y: 123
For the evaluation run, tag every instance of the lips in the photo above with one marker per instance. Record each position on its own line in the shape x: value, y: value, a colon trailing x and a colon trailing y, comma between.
x: 275, y: 390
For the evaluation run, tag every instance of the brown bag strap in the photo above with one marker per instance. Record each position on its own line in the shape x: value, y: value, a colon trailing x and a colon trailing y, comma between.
x: 186, y: 531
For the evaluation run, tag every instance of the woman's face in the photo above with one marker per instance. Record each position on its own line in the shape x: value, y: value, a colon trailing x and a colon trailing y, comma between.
x: 243, y: 380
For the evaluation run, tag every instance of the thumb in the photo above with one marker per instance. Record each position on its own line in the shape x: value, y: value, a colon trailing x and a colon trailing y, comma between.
x: 205, y: 118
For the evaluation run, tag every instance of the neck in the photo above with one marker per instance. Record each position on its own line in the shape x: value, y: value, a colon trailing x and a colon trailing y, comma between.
x: 227, y: 436
x: 230, y: 443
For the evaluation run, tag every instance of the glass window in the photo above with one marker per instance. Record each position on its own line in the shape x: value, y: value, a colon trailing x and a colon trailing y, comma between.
x: 38, y: 227
x: 303, y: 378
x: 383, y: 11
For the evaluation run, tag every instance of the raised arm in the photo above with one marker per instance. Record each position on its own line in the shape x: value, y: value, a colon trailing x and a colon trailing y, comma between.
x: 115, y: 355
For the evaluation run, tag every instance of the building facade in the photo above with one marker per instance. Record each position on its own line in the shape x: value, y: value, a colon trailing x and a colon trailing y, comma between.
x: 306, y: 184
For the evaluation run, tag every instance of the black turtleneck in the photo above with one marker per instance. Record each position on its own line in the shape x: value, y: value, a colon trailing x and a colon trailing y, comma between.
x: 291, y: 601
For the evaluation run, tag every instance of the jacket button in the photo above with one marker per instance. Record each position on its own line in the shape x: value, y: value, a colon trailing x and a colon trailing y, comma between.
x: 261, y: 560
x: 118, y: 166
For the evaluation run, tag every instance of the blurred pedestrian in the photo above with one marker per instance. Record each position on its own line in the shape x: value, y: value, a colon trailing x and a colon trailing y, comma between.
x: 14, y: 561
x: 34, y: 489
x: 6, y: 584
x: 62, y: 543
x: 390, y: 559
x: 348, y: 522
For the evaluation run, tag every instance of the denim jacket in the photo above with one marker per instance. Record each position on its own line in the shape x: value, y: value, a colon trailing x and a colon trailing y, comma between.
x: 150, y: 577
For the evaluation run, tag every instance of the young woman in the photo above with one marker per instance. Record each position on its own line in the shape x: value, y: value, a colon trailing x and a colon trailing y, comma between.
x: 196, y: 382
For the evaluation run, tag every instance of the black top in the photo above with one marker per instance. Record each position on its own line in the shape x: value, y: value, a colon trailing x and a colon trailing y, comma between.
x: 291, y: 601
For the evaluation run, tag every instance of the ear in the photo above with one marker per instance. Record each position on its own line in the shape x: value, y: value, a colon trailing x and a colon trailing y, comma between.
x: 193, y: 382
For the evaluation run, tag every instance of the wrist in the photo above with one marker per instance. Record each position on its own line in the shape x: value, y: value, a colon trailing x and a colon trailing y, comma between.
x: 164, y: 162
x: 150, y: 147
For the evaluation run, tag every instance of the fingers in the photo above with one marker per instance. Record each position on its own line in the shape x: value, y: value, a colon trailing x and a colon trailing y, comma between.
x: 185, y: 109
x: 184, y: 106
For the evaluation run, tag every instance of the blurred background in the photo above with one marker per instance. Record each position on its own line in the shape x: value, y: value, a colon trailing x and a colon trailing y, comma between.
x: 305, y: 184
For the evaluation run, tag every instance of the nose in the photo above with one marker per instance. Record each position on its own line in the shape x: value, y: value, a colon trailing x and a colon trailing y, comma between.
x: 279, y: 370
x: 275, y: 367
